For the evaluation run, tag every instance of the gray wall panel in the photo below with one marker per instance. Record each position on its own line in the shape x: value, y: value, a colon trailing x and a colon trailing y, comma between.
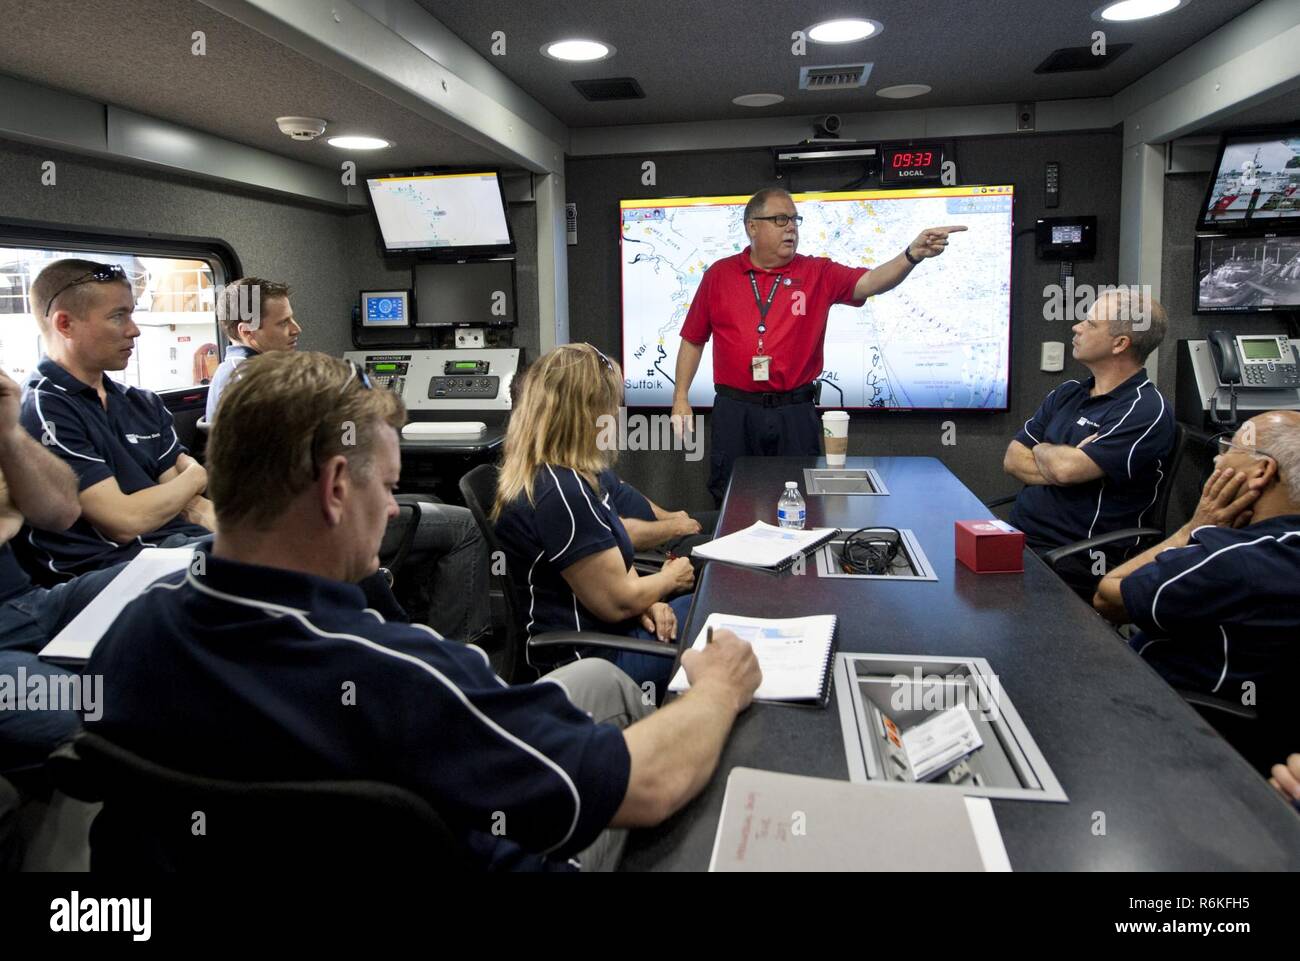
x: 1090, y: 185
x: 326, y: 254
x: 298, y: 243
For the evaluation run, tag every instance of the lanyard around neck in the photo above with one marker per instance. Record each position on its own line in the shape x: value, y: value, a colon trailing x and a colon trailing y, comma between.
x: 763, y: 306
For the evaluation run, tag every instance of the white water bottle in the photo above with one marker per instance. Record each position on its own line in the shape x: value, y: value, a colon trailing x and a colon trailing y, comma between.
x: 790, y: 508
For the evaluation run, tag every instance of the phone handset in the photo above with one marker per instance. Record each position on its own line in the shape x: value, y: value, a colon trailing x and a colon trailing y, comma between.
x: 1223, y: 351
x: 1227, y: 365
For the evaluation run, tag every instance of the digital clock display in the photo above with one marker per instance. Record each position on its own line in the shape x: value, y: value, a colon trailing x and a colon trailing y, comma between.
x: 915, y: 163
x: 911, y: 159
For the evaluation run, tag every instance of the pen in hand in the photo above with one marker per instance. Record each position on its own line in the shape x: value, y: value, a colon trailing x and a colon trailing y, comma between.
x: 709, y: 638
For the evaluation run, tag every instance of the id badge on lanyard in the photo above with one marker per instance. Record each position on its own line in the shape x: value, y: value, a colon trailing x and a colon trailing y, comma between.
x: 760, y: 365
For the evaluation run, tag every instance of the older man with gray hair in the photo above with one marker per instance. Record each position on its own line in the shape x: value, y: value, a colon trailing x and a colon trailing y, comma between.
x: 766, y: 309
x: 1219, y: 601
x: 1093, y: 456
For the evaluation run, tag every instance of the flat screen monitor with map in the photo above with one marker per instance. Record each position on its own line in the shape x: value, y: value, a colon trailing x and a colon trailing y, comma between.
x: 441, y: 214
x: 941, y: 340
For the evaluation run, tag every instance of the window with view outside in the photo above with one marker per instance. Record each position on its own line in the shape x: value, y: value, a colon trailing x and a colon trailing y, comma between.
x: 174, y: 309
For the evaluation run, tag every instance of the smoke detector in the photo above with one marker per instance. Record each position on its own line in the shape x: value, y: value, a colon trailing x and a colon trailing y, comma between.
x: 301, y: 128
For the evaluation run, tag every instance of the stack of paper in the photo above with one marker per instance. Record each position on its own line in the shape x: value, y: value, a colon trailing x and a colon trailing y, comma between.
x: 762, y: 545
x: 74, y: 644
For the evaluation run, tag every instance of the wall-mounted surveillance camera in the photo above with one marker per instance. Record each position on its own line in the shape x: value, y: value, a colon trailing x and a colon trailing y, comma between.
x: 827, y: 126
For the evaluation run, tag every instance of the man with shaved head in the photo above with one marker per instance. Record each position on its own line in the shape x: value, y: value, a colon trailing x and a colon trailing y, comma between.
x: 1219, y: 601
x: 1095, y: 453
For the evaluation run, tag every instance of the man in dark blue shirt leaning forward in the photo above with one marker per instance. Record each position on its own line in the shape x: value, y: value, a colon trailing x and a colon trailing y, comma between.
x: 263, y: 663
x: 1093, y: 456
x: 1218, y: 603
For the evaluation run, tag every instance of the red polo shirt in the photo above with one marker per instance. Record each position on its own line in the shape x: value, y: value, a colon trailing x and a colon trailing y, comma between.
x: 724, y: 308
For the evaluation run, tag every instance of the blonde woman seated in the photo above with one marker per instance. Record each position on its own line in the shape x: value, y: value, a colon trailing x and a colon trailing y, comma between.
x: 562, y: 537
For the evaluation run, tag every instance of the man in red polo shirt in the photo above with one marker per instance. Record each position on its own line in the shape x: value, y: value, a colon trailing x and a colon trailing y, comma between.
x: 766, y: 309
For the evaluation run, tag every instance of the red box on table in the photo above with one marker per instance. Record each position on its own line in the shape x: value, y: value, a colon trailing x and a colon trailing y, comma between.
x: 990, y: 547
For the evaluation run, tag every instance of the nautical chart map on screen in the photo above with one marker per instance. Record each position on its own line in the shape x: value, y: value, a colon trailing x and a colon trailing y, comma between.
x: 939, y: 340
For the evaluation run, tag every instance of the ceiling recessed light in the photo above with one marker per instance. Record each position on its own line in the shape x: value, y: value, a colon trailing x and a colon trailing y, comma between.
x: 843, y: 31
x: 578, y: 51
x: 757, y: 99
x: 358, y: 143
x: 1128, y: 10
x: 902, y: 91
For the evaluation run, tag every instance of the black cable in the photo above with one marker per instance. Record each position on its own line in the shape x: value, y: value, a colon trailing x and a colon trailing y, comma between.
x: 866, y: 551
x: 832, y: 385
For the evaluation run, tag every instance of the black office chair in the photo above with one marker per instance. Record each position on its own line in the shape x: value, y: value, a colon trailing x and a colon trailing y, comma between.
x: 402, y: 534
x: 479, y: 488
x: 10, y: 802
x: 1141, y: 537
x: 150, y: 814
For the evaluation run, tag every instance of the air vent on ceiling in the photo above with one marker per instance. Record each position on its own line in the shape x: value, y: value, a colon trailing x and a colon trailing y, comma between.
x: 610, y: 88
x: 1080, y: 58
x: 843, y: 76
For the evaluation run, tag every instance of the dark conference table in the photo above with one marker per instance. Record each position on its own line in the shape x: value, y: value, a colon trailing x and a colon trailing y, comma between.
x: 1176, y: 796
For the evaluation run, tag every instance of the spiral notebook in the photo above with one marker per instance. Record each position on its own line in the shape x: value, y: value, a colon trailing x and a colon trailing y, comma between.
x: 794, y: 654
x: 762, y: 545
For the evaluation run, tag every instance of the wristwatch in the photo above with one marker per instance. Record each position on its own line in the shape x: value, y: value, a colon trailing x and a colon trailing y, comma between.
x: 907, y: 252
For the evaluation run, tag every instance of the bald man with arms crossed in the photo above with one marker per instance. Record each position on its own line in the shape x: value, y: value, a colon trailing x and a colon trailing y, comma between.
x: 766, y: 310
x: 1095, y: 453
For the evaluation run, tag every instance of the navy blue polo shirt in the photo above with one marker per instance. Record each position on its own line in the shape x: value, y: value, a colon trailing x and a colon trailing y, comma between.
x: 257, y: 673
x: 624, y: 498
x: 1223, y: 610
x: 133, y: 440
x: 13, y: 579
x: 1135, y: 440
x: 236, y: 354
x: 566, y: 522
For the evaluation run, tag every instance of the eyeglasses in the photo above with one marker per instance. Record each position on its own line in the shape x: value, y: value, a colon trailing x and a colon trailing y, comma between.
x: 102, y: 274
x: 1226, y: 444
x: 360, y: 374
x: 609, y: 364
x: 782, y: 220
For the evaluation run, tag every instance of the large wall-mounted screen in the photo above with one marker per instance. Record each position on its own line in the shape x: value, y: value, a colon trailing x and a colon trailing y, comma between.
x: 941, y: 340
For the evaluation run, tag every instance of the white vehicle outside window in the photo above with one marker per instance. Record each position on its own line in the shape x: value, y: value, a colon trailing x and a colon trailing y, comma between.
x: 174, y: 309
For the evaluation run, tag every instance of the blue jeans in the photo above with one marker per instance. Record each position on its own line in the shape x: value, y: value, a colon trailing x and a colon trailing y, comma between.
x: 444, y: 583
x: 647, y: 667
x: 27, y: 623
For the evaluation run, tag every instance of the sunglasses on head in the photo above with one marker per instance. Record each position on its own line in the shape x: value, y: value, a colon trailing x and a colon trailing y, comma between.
x: 609, y: 364
x: 359, y: 373
x: 102, y: 274
x: 355, y: 372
